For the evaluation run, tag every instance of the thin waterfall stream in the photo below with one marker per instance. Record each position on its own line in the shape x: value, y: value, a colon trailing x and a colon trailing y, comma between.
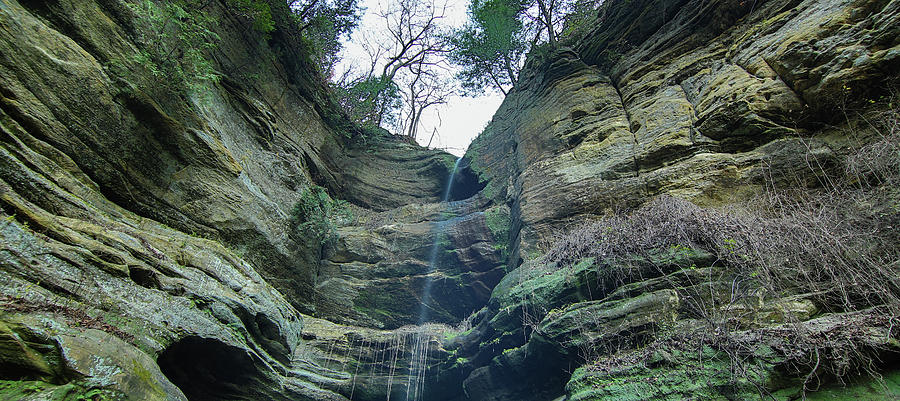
x: 435, y: 249
x: 415, y: 340
x: 415, y: 385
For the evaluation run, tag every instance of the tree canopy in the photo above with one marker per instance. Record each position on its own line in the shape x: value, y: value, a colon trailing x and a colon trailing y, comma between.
x: 324, y: 23
x: 405, y: 73
x: 490, y: 47
x: 410, y: 55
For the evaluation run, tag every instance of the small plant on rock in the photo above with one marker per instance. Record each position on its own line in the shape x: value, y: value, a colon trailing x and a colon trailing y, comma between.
x: 316, y: 215
x: 176, y: 40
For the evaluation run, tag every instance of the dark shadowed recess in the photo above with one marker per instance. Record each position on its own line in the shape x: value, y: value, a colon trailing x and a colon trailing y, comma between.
x: 207, y: 369
x: 465, y: 182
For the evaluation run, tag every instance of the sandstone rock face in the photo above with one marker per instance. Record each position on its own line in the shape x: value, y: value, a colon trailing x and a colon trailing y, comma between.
x: 147, y: 246
x: 227, y: 162
x: 148, y: 249
x: 708, y: 101
x: 378, y: 270
x: 686, y: 98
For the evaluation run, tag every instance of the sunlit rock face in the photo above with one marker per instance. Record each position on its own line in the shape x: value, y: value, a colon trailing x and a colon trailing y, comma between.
x: 685, y: 98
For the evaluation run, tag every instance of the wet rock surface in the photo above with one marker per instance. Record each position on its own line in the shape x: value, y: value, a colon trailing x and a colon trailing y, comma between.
x: 147, y: 247
x: 377, y: 272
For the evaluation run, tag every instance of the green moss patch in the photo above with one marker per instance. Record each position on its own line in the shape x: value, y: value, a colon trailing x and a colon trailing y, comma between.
x: 12, y: 390
x: 498, y: 223
x: 667, y: 375
x: 861, y: 389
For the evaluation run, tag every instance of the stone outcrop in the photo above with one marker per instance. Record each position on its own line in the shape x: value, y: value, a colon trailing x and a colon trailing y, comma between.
x: 686, y: 98
x: 228, y: 162
x: 708, y: 101
x: 376, y: 273
x: 147, y: 243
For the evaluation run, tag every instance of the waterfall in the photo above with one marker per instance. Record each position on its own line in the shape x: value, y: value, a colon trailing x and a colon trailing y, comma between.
x: 393, y: 350
x: 418, y: 358
x: 435, y: 249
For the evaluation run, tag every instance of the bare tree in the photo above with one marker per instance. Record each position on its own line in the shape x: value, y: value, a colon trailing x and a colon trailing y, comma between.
x: 547, y: 10
x: 425, y: 86
x: 548, y: 19
x: 409, y: 58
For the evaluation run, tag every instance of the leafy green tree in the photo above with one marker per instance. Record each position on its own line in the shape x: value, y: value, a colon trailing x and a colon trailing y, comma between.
x: 175, y: 41
x: 321, y: 22
x: 178, y: 36
x: 257, y: 11
x: 579, y: 17
x: 369, y: 101
x: 490, y: 47
x: 324, y: 23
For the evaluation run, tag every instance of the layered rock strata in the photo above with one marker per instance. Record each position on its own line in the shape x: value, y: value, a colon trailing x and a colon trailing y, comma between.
x: 714, y: 102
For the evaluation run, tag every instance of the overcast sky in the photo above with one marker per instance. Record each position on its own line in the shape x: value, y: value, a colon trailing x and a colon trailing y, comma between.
x: 458, y: 121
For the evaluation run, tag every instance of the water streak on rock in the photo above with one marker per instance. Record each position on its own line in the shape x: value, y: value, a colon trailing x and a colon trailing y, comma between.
x: 418, y: 359
x: 435, y: 248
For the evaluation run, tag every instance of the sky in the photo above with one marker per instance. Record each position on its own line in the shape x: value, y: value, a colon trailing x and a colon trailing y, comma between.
x: 458, y: 121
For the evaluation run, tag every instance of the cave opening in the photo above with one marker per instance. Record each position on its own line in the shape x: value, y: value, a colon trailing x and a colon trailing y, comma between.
x: 465, y: 182
x: 207, y: 369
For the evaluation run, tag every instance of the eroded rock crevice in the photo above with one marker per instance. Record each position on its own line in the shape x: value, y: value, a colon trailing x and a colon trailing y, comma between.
x: 207, y: 369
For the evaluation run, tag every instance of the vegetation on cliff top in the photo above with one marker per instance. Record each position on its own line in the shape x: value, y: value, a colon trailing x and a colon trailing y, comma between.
x: 179, y: 40
x: 491, y: 48
x: 409, y: 62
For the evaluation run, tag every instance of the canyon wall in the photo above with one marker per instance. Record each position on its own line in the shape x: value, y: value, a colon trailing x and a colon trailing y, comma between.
x: 718, y: 103
x: 150, y: 247
x: 148, y: 236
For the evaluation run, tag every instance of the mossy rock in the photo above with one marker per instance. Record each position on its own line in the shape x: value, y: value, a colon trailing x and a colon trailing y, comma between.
x: 671, y: 375
x: 39, y: 390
